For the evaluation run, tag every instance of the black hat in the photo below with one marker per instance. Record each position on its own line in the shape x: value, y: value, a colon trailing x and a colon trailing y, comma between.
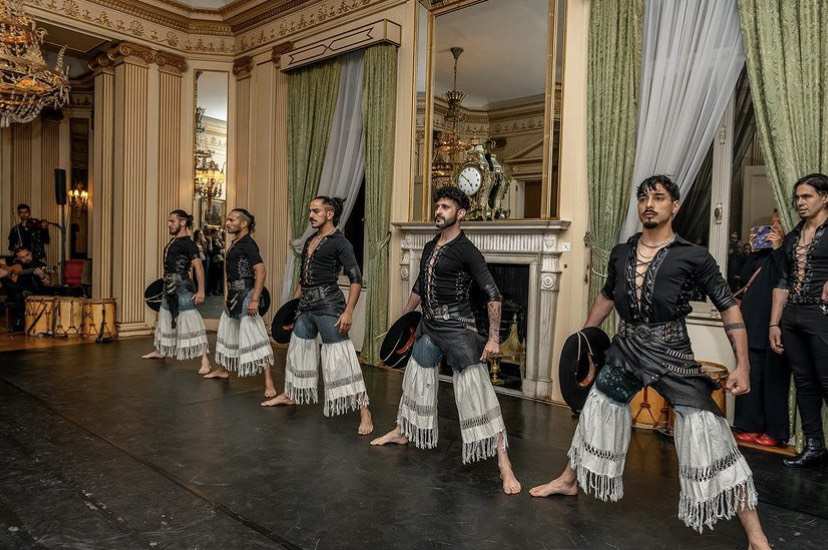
x: 582, y: 358
x: 154, y: 293
x: 282, y: 325
x: 264, y: 301
x: 399, y: 340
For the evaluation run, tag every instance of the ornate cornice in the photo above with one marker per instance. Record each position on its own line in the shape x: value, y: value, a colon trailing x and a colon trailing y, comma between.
x: 242, y: 66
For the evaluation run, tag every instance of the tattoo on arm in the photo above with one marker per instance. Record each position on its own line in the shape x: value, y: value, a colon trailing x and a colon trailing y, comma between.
x: 729, y: 328
x: 494, y: 321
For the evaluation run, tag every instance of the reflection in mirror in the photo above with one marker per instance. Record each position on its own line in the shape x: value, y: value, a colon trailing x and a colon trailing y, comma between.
x: 210, y: 182
x: 491, y: 94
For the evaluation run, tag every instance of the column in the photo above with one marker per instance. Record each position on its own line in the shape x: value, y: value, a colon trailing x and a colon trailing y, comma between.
x: 237, y: 191
x: 102, y: 184
x: 170, y: 68
x: 49, y: 210
x: 130, y: 196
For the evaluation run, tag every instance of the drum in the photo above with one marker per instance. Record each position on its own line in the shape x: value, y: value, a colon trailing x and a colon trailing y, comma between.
x: 99, y: 319
x: 649, y: 409
x: 39, y: 316
x: 719, y: 374
x: 68, y: 316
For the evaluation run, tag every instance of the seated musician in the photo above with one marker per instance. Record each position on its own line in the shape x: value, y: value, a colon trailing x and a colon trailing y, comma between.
x: 24, y: 276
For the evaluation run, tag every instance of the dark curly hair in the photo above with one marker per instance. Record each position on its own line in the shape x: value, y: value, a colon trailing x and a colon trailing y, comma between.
x: 454, y: 194
x: 816, y: 180
x: 652, y: 182
x: 247, y: 217
x: 182, y: 214
x: 334, y: 203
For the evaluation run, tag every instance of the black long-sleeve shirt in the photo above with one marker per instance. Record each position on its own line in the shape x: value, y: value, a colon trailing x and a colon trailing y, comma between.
x: 32, y: 240
x: 332, y: 253
x: 816, y: 267
x: 669, y: 285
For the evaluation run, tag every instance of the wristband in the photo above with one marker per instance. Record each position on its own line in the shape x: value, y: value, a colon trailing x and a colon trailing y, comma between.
x: 773, y: 325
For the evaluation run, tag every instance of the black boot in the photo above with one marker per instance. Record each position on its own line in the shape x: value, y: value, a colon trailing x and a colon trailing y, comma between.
x: 813, y: 455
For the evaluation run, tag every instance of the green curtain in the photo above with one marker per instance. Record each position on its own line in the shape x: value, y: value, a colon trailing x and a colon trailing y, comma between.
x: 614, y: 69
x: 787, y: 62
x: 312, y: 96
x: 379, y: 98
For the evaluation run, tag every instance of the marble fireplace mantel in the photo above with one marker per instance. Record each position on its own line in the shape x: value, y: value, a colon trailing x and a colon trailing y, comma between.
x: 534, y: 243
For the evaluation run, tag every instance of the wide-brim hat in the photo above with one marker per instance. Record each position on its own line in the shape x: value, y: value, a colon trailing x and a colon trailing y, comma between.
x: 282, y: 326
x: 264, y: 301
x: 399, y: 340
x: 582, y: 358
x: 154, y: 293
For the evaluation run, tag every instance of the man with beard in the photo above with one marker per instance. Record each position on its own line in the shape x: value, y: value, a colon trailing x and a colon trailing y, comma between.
x: 33, y: 280
x: 799, y: 314
x: 650, y: 279
x: 29, y: 234
x: 180, y: 331
x: 323, y: 311
x: 243, y: 344
x: 449, y: 264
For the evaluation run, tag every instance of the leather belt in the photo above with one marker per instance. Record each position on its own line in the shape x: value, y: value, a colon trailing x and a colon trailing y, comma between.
x: 240, y: 284
x: 314, y: 293
x: 807, y: 300
x: 446, y: 312
x: 672, y: 331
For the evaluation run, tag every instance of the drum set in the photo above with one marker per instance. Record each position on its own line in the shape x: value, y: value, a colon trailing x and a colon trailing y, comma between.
x: 62, y: 317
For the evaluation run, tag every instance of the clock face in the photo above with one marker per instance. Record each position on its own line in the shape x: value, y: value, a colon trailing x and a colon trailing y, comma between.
x: 469, y: 180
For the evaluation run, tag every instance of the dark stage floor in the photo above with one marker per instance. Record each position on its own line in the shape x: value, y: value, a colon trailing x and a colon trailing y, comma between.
x: 101, y: 449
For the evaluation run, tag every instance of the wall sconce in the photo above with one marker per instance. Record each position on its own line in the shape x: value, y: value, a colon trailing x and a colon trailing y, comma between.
x: 78, y: 198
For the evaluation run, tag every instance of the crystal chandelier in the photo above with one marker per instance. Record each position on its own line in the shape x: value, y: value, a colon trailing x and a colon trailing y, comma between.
x: 27, y: 85
x: 450, y: 145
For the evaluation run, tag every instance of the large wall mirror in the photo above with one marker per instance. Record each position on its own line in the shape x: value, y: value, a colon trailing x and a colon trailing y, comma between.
x: 488, y: 83
x: 210, y: 181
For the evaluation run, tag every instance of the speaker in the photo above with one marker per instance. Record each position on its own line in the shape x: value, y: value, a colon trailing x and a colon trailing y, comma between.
x: 60, y: 186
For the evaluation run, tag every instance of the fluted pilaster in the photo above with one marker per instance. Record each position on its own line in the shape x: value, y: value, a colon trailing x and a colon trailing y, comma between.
x: 22, y: 176
x: 50, y: 159
x: 242, y: 70
x: 280, y: 243
x: 169, y: 138
x: 129, y: 259
x: 102, y: 188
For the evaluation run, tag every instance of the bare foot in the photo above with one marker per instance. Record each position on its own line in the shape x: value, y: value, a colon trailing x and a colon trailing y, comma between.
x: 280, y: 399
x: 759, y: 545
x: 270, y: 392
x: 394, y: 437
x: 153, y: 355
x: 205, y: 367
x: 366, y: 424
x: 219, y: 374
x: 511, y: 486
x: 555, y: 487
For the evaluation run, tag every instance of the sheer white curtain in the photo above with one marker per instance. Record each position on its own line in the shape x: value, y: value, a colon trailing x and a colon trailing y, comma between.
x: 344, y: 168
x: 691, y: 58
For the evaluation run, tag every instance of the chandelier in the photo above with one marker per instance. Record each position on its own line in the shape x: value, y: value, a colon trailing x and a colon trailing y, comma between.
x: 27, y: 85
x: 450, y: 145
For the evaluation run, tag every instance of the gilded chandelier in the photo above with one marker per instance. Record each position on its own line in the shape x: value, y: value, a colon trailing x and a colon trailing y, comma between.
x: 27, y: 85
x: 451, y: 145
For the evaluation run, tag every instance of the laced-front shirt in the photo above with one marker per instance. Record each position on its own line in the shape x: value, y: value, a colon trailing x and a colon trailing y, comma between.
x: 179, y: 255
x: 804, y: 266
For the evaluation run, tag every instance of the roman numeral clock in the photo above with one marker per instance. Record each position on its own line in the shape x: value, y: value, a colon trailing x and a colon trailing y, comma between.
x: 482, y: 179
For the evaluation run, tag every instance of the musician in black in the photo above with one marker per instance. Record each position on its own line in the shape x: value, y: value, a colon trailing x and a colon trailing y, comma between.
x: 324, y: 312
x: 242, y: 344
x: 180, y: 330
x: 27, y: 279
x: 449, y: 264
x: 30, y: 234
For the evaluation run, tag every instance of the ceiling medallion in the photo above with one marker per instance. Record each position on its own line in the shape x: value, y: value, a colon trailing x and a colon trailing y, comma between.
x: 27, y: 85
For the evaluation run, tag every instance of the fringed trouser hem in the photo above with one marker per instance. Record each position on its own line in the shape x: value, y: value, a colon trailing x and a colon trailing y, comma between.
x: 187, y: 340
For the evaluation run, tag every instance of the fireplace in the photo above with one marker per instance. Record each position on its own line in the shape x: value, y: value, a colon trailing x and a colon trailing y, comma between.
x: 525, y: 254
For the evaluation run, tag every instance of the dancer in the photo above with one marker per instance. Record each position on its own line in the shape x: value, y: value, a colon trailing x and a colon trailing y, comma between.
x: 180, y: 331
x: 242, y: 344
x: 449, y: 264
x: 650, y: 279
x: 323, y: 312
